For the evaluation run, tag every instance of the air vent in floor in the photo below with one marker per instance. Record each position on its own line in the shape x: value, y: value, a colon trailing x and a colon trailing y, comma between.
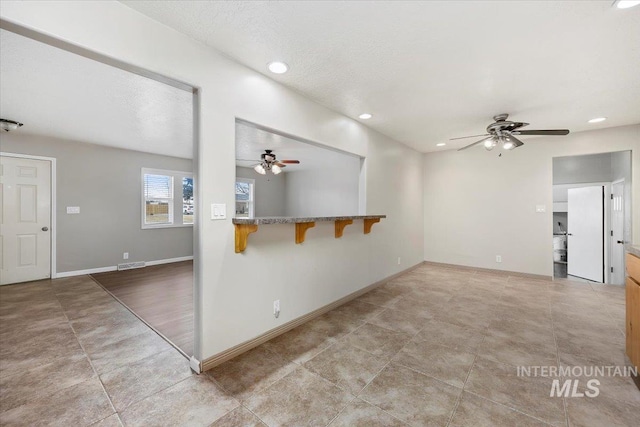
x: 131, y: 265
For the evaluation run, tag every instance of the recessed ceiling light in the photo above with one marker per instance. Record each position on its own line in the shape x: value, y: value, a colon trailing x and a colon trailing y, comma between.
x: 598, y: 120
x: 626, y: 4
x: 441, y: 144
x: 365, y: 116
x: 278, y: 67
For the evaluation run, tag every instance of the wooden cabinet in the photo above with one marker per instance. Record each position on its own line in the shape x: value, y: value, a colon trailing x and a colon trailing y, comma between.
x: 633, y: 309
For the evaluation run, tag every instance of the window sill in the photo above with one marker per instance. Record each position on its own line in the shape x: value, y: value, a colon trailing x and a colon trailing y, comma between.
x: 154, y: 227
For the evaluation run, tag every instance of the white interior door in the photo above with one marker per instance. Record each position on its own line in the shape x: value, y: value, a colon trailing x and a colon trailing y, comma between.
x: 585, y: 247
x: 25, y: 222
x: 617, y: 233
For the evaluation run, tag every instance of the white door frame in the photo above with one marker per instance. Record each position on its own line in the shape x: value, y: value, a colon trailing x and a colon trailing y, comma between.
x: 199, y: 210
x: 607, y: 227
x: 610, y: 223
x: 54, y: 228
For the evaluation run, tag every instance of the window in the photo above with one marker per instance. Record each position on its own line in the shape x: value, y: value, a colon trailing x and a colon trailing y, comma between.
x: 158, y: 197
x: 244, y: 197
x: 160, y: 207
x: 187, y: 200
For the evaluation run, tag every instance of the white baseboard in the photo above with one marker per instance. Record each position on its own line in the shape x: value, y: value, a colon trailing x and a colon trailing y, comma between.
x: 490, y: 270
x: 195, y: 365
x: 62, y: 274
x: 237, y: 350
x: 170, y: 260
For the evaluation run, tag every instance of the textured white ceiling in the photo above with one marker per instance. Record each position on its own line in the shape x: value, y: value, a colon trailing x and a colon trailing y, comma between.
x: 63, y: 95
x: 433, y: 70
x: 251, y: 142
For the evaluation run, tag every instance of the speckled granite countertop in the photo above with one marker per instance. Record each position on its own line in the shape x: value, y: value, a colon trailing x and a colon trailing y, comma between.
x: 293, y: 220
x: 633, y: 249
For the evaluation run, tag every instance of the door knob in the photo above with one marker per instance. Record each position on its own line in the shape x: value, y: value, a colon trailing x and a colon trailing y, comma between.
x: 45, y: 228
x: 621, y: 242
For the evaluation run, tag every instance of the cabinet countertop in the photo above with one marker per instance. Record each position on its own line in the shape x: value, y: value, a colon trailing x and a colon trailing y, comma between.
x: 294, y: 220
x: 633, y: 249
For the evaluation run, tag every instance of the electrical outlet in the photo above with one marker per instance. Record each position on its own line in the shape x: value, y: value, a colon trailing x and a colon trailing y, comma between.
x: 398, y: 260
x: 276, y: 308
x: 125, y: 255
x: 498, y: 258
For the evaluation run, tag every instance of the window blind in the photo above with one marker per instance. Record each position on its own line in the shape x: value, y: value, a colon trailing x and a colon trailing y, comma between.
x: 158, y: 186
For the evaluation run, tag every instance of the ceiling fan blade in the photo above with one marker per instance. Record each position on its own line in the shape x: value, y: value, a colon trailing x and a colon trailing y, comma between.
x: 472, y: 136
x: 516, y: 125
x: 515, y: 141
x: 282, y: 165
x: 542, y: 132
x: 475, y: 143
x: 291, y: 162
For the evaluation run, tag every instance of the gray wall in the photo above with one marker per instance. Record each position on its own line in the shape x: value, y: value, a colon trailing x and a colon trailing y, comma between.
x: 326, y: 192
x: 310, y: 192
x: 106, y: 184
x: 597, y: 168
x: 579, y: 169
x: 269, y: 192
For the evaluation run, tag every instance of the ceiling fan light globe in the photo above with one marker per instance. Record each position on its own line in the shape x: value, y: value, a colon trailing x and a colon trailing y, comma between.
x: 626, y: 4
x: 276, y: 169
x: 260, y: 169
x: 489, y: 143
x: 508, y: 145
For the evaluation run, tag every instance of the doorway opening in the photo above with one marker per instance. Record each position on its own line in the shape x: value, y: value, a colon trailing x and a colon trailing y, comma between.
x: 283, y: 175
x: 125, y: 142
x: 591, y: 216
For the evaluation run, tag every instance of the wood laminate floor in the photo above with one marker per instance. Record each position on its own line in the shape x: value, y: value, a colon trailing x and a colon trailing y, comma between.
x: 162, y: 295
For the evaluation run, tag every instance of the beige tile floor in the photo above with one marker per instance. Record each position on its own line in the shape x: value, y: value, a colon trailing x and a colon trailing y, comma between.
x: 435, y: 347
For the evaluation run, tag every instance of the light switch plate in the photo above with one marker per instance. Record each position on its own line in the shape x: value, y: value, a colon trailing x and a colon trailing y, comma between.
x: 73, y: 209
x: 541, y: 208
x: 218, y: 211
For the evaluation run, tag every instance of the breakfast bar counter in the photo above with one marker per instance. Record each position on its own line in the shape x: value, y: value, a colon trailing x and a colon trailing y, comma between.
x: 246, y: 226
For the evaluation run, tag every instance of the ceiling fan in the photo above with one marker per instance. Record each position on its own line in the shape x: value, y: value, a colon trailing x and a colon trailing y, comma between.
x: 268, y: 162
x: 504, y: 131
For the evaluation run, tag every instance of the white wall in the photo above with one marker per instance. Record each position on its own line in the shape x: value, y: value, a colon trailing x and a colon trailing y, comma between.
x: 106, y: 184
x: 479, y: 205
x: 234, y: 298
x: 269, y: 192
x: 621, y: 169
